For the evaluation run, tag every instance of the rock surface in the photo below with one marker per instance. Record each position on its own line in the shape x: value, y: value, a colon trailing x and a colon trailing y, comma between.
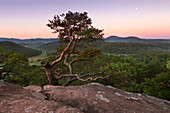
x: 89, y: 98
x: 15, y: 99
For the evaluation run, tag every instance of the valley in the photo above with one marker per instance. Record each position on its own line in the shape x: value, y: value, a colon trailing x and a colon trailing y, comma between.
x: 39, y: 49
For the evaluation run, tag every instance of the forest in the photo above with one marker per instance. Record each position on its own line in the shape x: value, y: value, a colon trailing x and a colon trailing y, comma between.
x: 146, y: 73
x: 28, y: 52
x: 117, y: 47
x: 80, y: 53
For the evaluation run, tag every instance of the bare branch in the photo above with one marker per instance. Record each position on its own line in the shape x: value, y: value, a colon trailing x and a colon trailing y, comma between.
x: 66, y: 75
x: 67, y: 56
x: 65, y: 60
x: 82, y: 76
x: 73, y: 47
x: 77, y: 51
x: 62, y: 54
x: 74, y: 75
x: 74, y: 60
x: 79, y: 78
x: 93, y: 79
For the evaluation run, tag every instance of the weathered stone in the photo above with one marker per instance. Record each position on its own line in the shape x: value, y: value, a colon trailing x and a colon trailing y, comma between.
x: 36, y: 91
x: 34, y: 88
x: 90, y: 98
x: 15, y: 99
x: 97, y: 98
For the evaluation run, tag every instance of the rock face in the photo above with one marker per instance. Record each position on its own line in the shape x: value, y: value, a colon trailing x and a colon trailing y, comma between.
x: 90, y: 98
x: 15, y: 99
x: 97, y: 98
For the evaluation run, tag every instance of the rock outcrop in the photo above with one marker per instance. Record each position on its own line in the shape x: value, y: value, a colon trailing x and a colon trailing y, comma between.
x: 89, y: 98
x: 15, y: 99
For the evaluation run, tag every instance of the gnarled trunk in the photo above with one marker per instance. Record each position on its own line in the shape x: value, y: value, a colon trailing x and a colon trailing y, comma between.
x: 49, y: 72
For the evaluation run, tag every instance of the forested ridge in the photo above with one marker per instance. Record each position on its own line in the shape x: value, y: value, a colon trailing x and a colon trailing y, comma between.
x: 28, y: 52
x: 142, y: 68
x: 110, y: 45
x: 118, y: 47
x: 132, y: 48
x: 146, y: 73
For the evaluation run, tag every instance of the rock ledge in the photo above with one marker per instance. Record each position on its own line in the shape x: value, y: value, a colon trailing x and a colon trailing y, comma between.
x: 89, y: 98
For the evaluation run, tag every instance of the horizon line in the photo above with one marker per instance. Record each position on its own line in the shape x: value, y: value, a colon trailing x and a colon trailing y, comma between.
x: 58, y: 37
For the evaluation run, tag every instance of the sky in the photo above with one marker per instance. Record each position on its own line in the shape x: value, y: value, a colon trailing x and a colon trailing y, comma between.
x: 142, y: 18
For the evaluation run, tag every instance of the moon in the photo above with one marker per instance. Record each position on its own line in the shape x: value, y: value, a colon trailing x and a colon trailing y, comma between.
x: 137, y: 8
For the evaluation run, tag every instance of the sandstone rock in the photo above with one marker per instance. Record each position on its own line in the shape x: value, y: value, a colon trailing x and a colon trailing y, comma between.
x: 36, y: 91
x: 89, y: 98
x: 15, y: 99
x: 34, y: 88
x: 97, y: 98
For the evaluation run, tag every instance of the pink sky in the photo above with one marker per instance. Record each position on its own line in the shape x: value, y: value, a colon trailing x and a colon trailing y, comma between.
x: 142, y: 18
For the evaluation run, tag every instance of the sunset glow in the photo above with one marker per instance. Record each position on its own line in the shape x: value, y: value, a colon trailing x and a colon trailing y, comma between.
x: 141, y: 18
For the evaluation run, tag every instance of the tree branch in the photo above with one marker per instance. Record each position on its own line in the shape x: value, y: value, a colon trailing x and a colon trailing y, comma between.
x: 73, y: 47
x: 80, y: 77
x: 65, y: 60
x: 93, y: 79
x: 78, y: 51
x: 74, y: 75
x: 62, y: 54
x: 75, y: 59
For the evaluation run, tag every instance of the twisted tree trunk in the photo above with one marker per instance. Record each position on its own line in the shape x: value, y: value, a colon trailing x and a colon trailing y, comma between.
x: 49, y: 72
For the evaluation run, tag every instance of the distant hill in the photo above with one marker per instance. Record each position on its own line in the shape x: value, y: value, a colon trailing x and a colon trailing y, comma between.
x: 33, y: 45
x: 133, y: 39
x: 132, y: 48
x: 28, y: 52
x: 30, y: 43
x: 49, y: 46
x: 15, y: 40
x: 122, y: 39
x: 111, y: 45
x: 160, y: 40
x: 118, y: 47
